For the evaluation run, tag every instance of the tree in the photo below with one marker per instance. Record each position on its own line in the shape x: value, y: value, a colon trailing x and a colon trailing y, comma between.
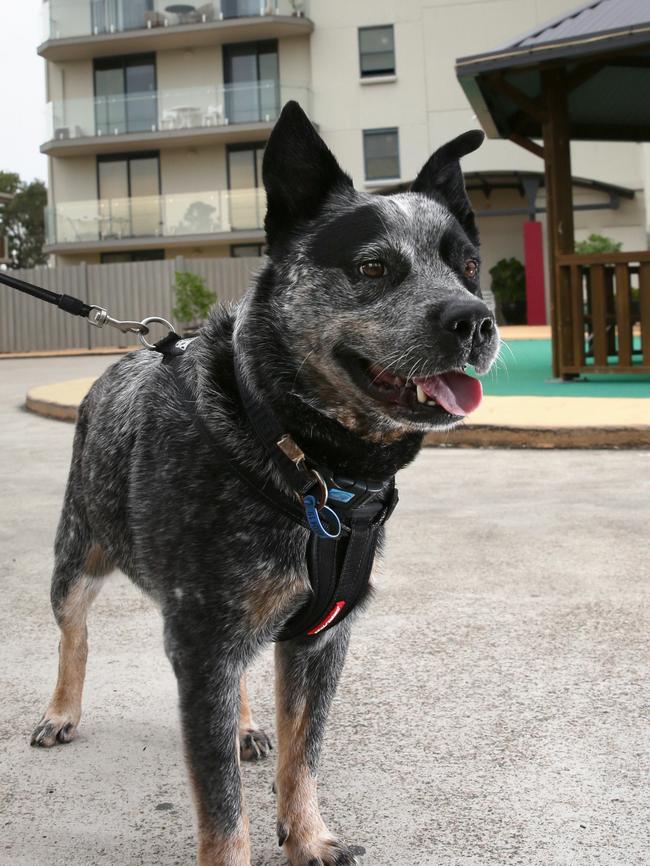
x: 22, y: 220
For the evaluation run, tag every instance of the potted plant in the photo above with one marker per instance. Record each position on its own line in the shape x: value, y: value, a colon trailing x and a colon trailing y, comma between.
x: 509, y: 289
x: 193, y: 301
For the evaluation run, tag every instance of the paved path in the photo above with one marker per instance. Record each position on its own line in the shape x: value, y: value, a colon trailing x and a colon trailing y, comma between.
x: 493, y: 711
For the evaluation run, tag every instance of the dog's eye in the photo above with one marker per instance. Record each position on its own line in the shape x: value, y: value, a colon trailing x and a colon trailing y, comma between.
x: 471, y: 269
x: 374, y: 269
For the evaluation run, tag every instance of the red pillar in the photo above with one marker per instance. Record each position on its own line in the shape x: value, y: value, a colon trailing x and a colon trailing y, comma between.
x: 534, y: 262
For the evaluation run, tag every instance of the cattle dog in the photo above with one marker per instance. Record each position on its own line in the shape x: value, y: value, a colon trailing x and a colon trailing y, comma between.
x: 358, y: 330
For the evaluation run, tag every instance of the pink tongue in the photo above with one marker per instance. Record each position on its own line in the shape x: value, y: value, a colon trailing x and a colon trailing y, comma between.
x: 456, y: 392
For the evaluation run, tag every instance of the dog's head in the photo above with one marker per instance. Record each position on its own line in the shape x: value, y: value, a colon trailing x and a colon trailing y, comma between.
x: 377, y: 297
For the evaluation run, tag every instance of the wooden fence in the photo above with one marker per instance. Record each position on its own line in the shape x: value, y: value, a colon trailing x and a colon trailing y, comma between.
x: 603, y: 313
x: 127, y: 291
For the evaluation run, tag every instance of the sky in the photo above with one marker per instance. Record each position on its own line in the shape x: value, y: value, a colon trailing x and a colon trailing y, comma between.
x: 22, y: 89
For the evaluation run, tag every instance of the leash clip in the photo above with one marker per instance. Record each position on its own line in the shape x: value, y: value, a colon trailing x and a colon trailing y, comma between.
x: 98, y: 317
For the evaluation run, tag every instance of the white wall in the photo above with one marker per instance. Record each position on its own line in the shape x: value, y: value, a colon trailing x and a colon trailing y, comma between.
x: 196, y: 169
x: 426, y: 101
x: 200, y: 68
x: 73, y: 179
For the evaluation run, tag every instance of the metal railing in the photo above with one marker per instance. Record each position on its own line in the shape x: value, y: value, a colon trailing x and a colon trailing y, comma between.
x: 172, y: 215
x: 67, y: 18
x: 168, y: 110
x: 603, y: 313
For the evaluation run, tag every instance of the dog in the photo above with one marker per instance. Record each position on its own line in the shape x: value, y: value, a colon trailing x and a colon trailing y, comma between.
x: 357, y: 332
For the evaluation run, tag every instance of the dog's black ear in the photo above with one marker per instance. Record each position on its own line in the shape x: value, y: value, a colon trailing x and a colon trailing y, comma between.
x: 299, y: 172
x: 442, y: 178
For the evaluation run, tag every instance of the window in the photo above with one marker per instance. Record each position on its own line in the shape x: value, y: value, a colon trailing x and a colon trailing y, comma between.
x: 244, y: 169
x: 132, y: 256
x: 128, y: 189
x: 111, y: 15
x: 251, y: 76
x: 381, y: 153
x: 242, y: 251
x: 376, y: 51
x: 245, y: 8
x: 125, y: 94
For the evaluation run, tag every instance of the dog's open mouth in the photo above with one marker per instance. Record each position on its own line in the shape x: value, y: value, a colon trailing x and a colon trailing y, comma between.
x: 452, y: 392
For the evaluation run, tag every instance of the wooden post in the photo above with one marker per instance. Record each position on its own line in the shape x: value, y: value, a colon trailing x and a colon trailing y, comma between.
x: 559, y: 210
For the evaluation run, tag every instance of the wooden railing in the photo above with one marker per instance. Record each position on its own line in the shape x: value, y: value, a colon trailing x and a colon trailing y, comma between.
x: 603, y: 313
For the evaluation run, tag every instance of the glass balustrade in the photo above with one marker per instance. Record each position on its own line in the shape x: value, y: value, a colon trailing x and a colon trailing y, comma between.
x: 200, y: 213
x: 170, y: 110
x: 67, y: 18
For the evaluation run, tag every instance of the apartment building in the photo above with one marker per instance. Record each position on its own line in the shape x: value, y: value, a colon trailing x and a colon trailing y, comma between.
x: 158, y: 115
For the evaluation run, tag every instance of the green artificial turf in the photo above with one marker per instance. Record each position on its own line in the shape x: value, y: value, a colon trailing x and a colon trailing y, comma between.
x: 524, y: 369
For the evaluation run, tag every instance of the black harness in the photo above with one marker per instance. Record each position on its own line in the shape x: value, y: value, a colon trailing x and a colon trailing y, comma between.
x: 344, y: 515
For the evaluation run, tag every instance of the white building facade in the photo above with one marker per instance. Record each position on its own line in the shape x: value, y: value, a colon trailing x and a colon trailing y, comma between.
x: 159, y: 114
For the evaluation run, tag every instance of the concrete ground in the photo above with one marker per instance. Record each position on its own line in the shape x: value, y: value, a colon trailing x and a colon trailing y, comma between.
x: 494, y: 708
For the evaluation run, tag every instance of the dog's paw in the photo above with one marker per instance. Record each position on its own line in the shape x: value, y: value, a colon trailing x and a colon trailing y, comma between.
x: 53, y: 729
x: 324, y: 850
x: 254, y: 744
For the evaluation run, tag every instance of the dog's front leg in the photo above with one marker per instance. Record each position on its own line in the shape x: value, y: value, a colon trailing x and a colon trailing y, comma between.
x: 307, y: 673
x: 208, y: 686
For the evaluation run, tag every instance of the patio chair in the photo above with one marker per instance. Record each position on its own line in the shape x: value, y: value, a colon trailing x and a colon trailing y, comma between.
x: 168, y: 120
x: 213, y: 116
x: 153, y: 18
x: 206, y: 12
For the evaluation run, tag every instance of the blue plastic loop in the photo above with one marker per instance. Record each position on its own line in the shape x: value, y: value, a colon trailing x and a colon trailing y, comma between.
x: 315, y: 523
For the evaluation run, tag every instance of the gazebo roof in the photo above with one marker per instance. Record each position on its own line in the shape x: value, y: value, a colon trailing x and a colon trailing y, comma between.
x: 604, y: 47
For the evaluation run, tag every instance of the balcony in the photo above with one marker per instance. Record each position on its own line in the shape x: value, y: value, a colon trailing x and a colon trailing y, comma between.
x: 168, y: 118
x: 155, y: 221
x: 78, y: 29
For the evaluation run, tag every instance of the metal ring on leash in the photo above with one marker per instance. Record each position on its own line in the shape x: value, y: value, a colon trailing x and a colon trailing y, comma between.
x: 145, y: 322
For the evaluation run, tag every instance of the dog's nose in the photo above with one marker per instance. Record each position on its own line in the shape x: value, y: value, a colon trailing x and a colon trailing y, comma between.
x: 470, y: 320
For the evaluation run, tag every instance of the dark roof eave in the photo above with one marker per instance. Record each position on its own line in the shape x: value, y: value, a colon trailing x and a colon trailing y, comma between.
x: 503, y: 174
x: 571, y: 48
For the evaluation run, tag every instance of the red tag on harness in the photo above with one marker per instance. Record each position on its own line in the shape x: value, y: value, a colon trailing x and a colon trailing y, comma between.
x: 331, y: 616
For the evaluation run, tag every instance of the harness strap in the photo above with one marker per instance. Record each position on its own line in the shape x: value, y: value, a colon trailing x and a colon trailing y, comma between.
x: 277, y: 499
x: 339, y: 566
x: 339, y: 573
x: 272, y: 436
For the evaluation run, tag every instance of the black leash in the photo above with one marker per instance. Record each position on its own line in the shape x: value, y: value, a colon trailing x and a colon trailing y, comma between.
x: 97, y: 316
x: 344, y: 515
x: 64, y: 302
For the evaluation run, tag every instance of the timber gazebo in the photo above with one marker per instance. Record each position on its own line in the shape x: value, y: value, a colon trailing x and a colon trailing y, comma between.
x: 583, y: 76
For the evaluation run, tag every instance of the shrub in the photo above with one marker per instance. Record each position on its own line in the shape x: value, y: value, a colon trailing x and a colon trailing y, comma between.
x: 509, y: 281
x: 193, y: 298
x: 597, y: 244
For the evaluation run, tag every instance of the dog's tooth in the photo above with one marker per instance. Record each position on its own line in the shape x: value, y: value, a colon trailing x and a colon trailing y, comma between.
x: 432, y: 402
x: 422, y: 397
